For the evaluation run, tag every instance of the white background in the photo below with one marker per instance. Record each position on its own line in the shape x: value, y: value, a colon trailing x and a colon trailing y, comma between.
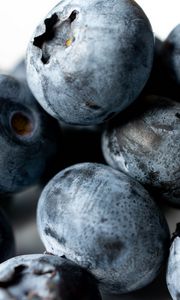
x: 18, y: 19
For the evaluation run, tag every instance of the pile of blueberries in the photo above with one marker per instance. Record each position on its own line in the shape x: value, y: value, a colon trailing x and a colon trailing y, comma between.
x: 95, y: 121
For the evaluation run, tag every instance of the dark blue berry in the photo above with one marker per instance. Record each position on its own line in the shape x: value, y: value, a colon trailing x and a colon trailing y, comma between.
x: 164, y: 79
x: 28, y: 137
x: 171, y: 54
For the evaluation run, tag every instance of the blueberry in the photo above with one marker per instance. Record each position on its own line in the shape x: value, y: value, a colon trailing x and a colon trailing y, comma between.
x: 28, y: 139
x: 164, y: 75
x: 106, y: 222
x: 7, y: 244
x: 155, y: 84
x: 145, y: 144
x: 46, y: 277
x: 88, y: 60
x: 173, y: 268
x: 171, y: 54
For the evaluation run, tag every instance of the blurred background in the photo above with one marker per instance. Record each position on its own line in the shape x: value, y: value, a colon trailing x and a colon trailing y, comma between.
x: 18, y: 20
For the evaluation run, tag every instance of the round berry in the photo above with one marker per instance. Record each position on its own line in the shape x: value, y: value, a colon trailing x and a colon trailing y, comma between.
x: 88, y: 60
x: 145, y: 144
x: 106, y: 222
x: 28, y: 140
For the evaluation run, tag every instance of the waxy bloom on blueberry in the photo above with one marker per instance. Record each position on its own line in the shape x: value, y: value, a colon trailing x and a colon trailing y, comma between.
x: 106, y: 222
x: 145, y: 144
x: 88, y: 60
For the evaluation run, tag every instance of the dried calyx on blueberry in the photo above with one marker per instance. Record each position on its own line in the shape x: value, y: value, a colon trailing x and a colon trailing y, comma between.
x: 173, y: 268
x: 46, y: 277
x: 90, y: 59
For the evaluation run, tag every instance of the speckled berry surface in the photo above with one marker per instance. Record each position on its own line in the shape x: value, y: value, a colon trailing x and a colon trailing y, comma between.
x: 44, y: 277
x: 105, y: 221
x: 146, y: 146
x: 88, y: 60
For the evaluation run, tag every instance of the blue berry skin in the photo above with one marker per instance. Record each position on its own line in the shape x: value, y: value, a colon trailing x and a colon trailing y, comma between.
x: 164, y: 79
x: 170, y: 54
x: 88, y: 60
x: 156, y: 82
x: 106, y: 222
x: 7, y: 244
x: 46, y: 277
x: 145, y: 144
x: 28, y: 137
